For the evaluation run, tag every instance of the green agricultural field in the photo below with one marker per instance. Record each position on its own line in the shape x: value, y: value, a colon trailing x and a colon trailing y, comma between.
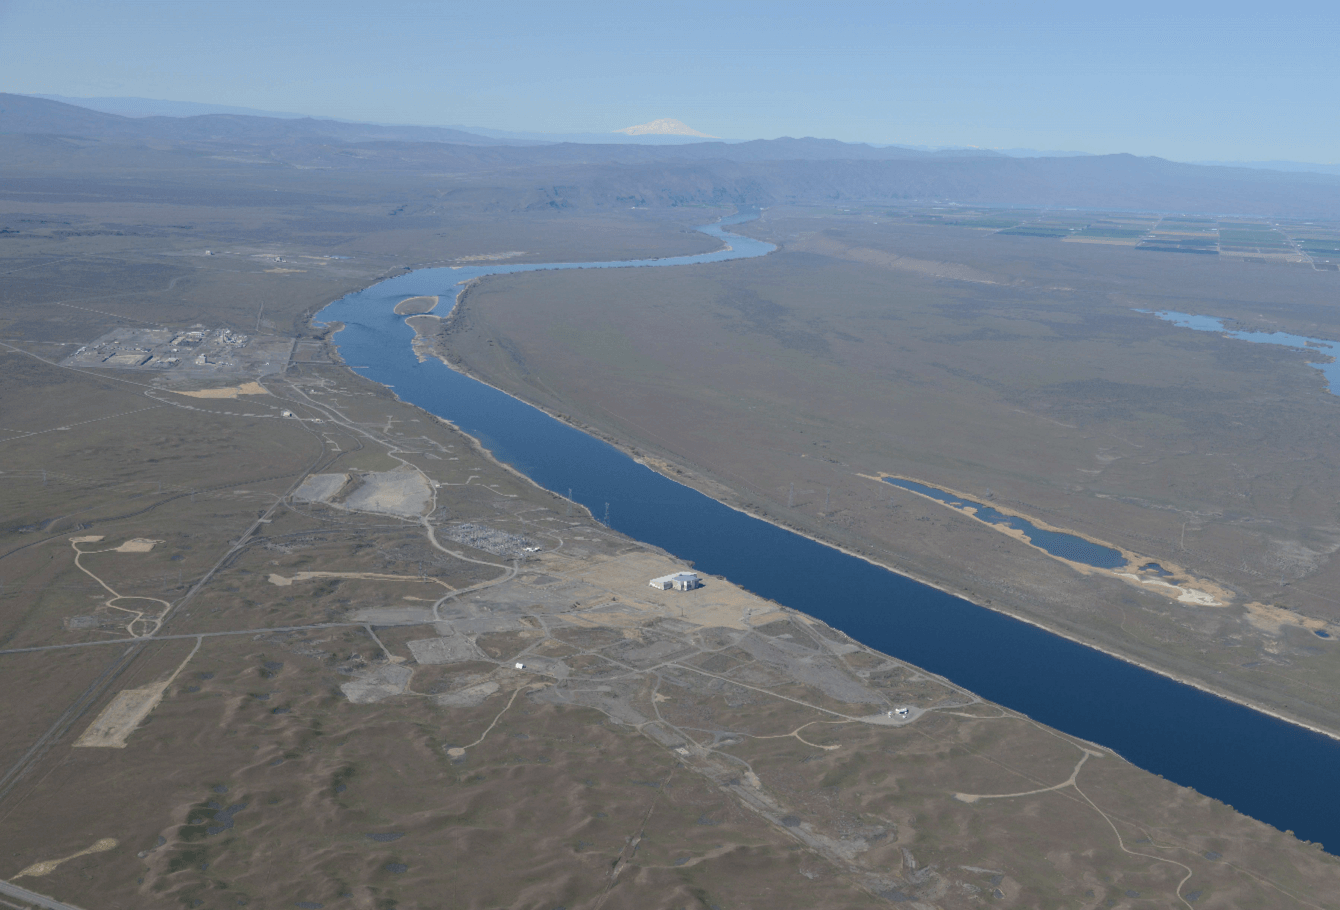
x: 1114, y: 232
x: 1041, y: 230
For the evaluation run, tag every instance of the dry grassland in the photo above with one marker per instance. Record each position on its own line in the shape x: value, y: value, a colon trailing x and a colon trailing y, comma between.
x: 1014, y: 369
x: 325, y: 710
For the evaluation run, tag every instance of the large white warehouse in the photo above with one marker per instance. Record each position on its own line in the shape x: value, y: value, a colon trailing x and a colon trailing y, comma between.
x: 680, y: 581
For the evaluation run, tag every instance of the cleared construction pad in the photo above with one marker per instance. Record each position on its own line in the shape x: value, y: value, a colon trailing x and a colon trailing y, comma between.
x: 403, y: 493
x: 446, y: 650
x: 120, y: 718
x: 320, y: 487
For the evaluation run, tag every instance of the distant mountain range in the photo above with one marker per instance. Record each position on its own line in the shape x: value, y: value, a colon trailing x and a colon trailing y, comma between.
x: 1292, y: 166
x: 154, y: 107
x: 33, y: 114
x: 666, y: 131
x: 36, y: 115
x: 506, y: 172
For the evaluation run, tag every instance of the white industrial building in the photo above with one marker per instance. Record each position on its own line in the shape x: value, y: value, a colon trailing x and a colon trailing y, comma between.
x: 680, y: 581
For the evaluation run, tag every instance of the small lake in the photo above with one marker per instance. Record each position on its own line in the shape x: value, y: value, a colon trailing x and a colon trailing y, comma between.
x: 1330, y: 350
x: 1066, y: 546
x: 1269, y: 769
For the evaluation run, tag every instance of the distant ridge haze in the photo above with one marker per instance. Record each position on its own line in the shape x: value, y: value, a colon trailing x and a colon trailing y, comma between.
x: 141, y: 108
x: 504, y: 174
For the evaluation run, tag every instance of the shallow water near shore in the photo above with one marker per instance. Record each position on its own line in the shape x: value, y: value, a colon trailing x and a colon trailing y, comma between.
x: 1330, y: 368
x: 1066, y: 546
x: 1269, y: 769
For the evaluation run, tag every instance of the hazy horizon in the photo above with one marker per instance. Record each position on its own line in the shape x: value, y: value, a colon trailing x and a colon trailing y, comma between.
x: 1200, y: 82
x: 147, y: 107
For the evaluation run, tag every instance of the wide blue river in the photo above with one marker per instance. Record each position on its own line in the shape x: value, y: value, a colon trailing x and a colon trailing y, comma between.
x: 1269, y: 769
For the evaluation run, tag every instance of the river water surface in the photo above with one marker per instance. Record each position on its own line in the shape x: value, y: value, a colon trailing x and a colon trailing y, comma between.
x: 1274, y: 771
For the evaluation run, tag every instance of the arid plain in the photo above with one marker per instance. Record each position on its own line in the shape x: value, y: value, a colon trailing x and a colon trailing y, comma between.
x: 1011, y: 367
x: 261, y: 621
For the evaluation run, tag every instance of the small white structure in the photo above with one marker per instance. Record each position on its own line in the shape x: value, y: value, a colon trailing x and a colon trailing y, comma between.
x: 680, y: 581
x: 520, y: 665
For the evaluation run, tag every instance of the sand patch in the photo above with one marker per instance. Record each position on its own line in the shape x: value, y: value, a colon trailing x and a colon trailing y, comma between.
x: 136, y: 545
x: 1273, y: 620
x: 48, y: 866
x: 1184, y: 595
x: 127, y: 710
x: 246, y: 388
x: 491, y: 257
x: 120, y: 718
x: 413, y: 306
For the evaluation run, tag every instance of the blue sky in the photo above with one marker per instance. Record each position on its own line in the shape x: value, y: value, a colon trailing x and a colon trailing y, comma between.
x: 1187, y: 81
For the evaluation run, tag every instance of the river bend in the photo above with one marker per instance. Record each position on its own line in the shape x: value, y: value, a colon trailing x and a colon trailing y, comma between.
x: 1272, y: 770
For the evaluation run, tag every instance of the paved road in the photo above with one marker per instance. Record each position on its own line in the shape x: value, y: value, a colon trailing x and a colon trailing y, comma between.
x: 186, y: 635
x: 31, y: 897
